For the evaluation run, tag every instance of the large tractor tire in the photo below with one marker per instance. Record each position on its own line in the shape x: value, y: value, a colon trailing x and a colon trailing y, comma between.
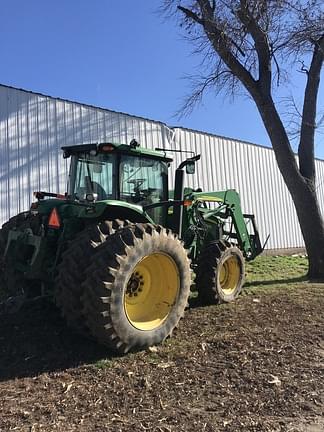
x: 220, y: 273
x: 11, y: 282
x: 137, y: 288
x: 71, y: 271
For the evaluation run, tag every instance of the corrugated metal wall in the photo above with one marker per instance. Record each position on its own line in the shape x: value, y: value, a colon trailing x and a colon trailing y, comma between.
x: 34, y: 127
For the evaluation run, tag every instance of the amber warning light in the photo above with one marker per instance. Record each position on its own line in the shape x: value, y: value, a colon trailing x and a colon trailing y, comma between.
x: 54, y: 219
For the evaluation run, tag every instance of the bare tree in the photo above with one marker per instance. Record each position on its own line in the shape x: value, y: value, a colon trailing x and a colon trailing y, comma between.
x: 247, y: 44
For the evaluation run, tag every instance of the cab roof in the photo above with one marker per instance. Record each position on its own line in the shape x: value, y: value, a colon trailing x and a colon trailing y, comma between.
x: 132, y: 149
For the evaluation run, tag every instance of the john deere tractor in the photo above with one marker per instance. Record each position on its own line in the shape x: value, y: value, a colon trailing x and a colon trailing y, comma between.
x: 117, y: 251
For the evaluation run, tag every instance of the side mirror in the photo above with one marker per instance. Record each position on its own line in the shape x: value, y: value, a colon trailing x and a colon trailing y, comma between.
x: 190, y: 168
x: 189, y: 164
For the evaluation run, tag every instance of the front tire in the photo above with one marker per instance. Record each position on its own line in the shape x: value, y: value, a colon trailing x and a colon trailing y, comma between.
x: 137, y: 288
x: 220, y: 273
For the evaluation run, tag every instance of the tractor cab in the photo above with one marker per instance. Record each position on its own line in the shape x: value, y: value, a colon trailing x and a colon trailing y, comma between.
x: 129, y: 174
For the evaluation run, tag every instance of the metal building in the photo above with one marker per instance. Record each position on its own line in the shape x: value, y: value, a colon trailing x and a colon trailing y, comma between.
x: 34, y: 127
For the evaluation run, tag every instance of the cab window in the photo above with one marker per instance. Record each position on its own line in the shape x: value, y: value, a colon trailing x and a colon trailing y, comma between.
x: 141, y: 183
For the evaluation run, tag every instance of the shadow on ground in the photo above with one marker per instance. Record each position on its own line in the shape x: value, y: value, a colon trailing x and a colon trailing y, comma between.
x: 36, y: 339
x: 195, y: 301
x: 266, y: 283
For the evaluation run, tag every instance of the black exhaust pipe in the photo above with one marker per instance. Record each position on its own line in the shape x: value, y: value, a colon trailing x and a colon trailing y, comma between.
x: 178, y: 196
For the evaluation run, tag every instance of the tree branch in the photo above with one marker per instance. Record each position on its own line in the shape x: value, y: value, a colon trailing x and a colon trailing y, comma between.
x: 308, y: 125
x: 261, y: 45
x: 199, y: 86
x: 278, y: 69
x: 221, y: 44
x: 190, y: 14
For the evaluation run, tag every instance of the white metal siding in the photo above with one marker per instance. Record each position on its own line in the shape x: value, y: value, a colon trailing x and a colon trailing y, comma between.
x: 34, y: 127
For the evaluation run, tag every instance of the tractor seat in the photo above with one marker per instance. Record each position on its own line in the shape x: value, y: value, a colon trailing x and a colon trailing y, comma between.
x: 96, y: 188
x: 99, y: 190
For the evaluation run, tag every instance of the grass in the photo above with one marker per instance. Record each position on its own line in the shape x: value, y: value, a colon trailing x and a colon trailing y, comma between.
x: 276, y: 270
x: 104, y: 363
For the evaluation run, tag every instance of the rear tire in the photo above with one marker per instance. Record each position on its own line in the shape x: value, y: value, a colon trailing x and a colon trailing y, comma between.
x: 72, y: 268
x: 220, y: 273
x: 137, y: 288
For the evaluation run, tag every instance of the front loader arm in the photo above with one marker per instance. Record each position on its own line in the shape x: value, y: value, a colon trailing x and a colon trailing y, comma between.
x: 230, y: 207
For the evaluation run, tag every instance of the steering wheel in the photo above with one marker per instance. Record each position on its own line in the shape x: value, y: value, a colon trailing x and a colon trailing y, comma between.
x: 137, y: 182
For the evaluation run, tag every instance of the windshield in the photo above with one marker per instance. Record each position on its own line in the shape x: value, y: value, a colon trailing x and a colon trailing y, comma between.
x: 93, y: 175
x: 142, y: 183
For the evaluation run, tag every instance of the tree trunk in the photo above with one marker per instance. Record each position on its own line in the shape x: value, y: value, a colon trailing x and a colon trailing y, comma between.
x: 302, y: 190
x: 312, y: 227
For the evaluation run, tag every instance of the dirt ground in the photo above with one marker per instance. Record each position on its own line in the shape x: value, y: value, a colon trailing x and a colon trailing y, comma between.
x: 253, y: 365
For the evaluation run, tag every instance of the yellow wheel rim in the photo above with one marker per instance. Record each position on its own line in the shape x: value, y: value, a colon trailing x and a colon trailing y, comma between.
x: 151, y: 291
x: 229, y: 275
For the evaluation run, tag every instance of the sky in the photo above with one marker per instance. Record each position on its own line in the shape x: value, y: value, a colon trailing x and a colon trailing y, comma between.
x: 120, y: 55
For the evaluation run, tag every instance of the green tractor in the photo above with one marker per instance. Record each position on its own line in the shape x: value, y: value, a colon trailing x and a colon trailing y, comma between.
x: 117, y: 251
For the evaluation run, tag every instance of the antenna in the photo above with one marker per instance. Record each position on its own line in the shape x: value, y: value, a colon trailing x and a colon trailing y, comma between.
x: 174, y: 150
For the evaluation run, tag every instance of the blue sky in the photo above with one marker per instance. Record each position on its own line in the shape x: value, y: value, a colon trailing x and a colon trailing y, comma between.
x: 119, y: 55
